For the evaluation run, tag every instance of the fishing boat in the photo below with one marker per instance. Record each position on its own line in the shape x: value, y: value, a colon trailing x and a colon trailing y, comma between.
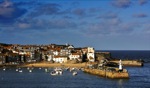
x: 20, y: 71
x: 54, y: 73
x: 17, y: 69
x: 30, y: 70
x: 74, y: 73
x: 57, y: 71
x: 46, y: 70
x: 4, y: 69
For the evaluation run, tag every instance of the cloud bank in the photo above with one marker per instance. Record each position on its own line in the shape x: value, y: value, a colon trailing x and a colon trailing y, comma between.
x: 9, y: 12
x: 68, y: 21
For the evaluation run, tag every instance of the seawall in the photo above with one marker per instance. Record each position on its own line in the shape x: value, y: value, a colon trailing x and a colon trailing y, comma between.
x: 108, y: 74
x: 129, y: 62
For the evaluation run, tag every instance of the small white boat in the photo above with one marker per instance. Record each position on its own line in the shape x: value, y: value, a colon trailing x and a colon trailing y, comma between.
x: 17, y: 69
x: 57, y: 71
x: 46, y: 70
x: 74, y: 73
x: 20, y: 71
x: 4, y: 69
x: 54, y: 73
x: 60, y: 72
x: 30, y: 70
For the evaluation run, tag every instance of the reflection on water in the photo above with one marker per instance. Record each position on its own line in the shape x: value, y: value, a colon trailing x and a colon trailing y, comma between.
x: 120, y: 82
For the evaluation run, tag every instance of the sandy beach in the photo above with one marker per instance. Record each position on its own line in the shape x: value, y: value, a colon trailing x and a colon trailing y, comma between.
x: 44, y: 64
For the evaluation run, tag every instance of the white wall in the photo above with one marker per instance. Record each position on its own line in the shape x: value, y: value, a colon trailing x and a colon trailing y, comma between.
x: 60, y: 59
x: 73, y: 57
x: 91, y: 55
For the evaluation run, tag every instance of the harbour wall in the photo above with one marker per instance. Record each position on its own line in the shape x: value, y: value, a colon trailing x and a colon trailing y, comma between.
x: 108, y: 74
x: 129, y: 62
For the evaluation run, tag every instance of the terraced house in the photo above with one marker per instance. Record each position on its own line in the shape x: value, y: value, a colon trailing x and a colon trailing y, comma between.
x: 52, y: 53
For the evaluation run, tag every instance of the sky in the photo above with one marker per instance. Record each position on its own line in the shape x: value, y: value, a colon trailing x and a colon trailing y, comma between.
x: 102, y: 24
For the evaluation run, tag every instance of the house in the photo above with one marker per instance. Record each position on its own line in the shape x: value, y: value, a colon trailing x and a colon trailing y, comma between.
x: 12, y: 57
x: 56, y: 53
x: 2, y: 58
x: 61, y: 46
x: 91, y: 54
x: 84, y: 50
x: 70, y: 47
x: 65, y: 52
x: 60, y: 59
x: 74, y: 56
x: 49, y: 57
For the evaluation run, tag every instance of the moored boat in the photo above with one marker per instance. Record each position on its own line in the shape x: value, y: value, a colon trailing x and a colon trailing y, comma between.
x: 20, y: 71
x: 74, y: 73
x: 30, y: 70
x: 54, y: 73
x: 17, y: 69
x: 57, y: 71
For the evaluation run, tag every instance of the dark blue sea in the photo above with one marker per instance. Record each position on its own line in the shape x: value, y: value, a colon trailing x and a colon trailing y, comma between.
x: 139, y: 76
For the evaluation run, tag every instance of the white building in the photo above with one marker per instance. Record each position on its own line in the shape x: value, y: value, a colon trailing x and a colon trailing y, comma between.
x: 74, y: 56
x: 60, y: 59
x: 70, y: 47
x: 49, y: 57
x: 65, y: 52
x: 91, y: 54
x: 90, y: 50
x: 55, y: 53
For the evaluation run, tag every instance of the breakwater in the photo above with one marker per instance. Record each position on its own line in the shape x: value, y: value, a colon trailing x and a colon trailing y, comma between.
x: 129, y: 62
x: 108, y: 73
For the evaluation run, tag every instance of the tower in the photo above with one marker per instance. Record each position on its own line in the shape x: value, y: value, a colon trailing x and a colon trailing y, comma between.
x: 91, y: 54
x: 120, y: 65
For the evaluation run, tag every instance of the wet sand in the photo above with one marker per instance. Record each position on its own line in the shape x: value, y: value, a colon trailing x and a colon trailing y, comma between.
x: 44, y: 64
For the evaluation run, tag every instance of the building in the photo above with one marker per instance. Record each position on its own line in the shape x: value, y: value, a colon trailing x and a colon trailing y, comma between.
x: 2, y: 58
x: 91, y: 54
x: 74, y: 56
x: 60, y: 59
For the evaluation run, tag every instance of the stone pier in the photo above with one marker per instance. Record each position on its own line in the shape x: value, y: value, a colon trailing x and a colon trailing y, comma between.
x: 108, y: 74
x: 129, y: 62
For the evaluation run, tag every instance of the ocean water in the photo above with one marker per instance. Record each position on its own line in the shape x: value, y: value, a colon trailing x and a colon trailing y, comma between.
x: 130, y: 54
x: 139, y: 78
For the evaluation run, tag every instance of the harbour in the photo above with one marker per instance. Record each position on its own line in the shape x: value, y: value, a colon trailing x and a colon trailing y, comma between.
x: 74, y: 44
x: 90, y: 68
x: 139, y: 77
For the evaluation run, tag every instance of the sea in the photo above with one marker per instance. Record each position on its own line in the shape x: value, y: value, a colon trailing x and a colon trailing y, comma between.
x: 38, y: 78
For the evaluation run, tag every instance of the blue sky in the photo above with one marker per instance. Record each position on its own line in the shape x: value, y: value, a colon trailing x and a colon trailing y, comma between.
x: 102, y: 24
